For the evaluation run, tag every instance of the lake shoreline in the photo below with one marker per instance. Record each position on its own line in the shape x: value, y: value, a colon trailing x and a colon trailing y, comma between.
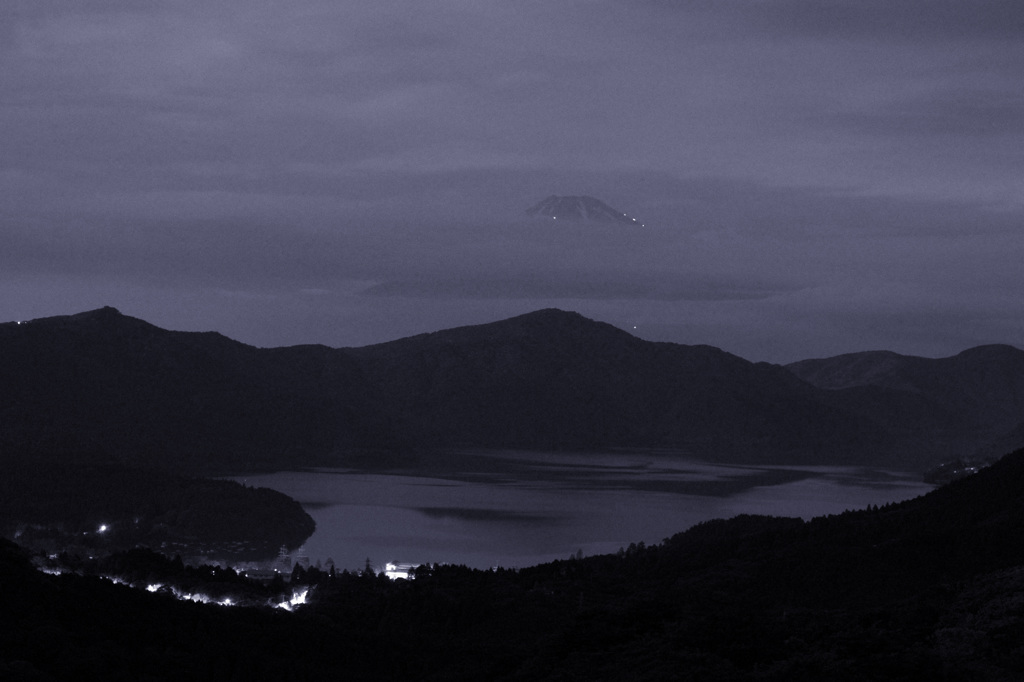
x: 520, y: 508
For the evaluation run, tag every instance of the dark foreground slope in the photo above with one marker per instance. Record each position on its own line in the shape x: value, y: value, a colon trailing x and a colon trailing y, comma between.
x: 932, y: 588
x: 101, y: 386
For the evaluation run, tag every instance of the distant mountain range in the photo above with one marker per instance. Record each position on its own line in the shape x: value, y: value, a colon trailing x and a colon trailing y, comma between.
x: 580, y: 208
x: 102, y: 386
x: 980, y: 389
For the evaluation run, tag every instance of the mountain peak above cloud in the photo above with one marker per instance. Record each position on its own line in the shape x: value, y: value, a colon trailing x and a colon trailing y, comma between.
x: 579, y: 208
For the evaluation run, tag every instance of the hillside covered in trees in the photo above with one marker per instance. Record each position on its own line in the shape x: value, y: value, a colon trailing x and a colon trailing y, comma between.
x: 101, y: 386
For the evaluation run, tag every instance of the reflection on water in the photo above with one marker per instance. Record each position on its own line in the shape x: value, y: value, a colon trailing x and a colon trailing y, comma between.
x: 517, y: 509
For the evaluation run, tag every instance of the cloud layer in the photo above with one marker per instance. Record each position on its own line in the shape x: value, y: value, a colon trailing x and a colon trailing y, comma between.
x: 817, y: 177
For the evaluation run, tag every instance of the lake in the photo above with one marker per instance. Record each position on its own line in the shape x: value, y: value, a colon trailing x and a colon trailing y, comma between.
x: 517, y: 509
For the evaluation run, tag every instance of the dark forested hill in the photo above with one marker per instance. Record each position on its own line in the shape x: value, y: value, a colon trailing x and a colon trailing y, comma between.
x: 979, y: 392
x: 106, y: 386
x: 103, y: 386
x: 552, y: 379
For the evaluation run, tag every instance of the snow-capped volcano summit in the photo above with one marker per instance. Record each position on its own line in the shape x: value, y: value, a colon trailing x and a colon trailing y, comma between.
x: 580, y: 208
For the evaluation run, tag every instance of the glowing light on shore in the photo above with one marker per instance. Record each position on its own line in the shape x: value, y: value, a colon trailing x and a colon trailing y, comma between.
x: 298, y: 599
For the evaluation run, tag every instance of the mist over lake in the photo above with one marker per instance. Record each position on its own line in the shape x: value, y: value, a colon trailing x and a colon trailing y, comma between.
x: 516, y: 509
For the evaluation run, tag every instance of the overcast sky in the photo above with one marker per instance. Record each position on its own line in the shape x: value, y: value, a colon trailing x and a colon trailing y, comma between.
x: 815, y: 176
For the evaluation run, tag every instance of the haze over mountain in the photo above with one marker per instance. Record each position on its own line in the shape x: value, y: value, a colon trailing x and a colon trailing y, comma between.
x: 812, y: 182
x: 579, y: 208
x: 100, y: 385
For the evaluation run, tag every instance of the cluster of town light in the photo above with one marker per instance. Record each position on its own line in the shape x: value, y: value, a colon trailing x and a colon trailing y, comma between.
x: 299, y: 596
x: 400, y: 571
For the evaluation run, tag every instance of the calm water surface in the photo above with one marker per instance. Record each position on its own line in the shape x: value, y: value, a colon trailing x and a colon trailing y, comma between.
x: 522, y: 508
